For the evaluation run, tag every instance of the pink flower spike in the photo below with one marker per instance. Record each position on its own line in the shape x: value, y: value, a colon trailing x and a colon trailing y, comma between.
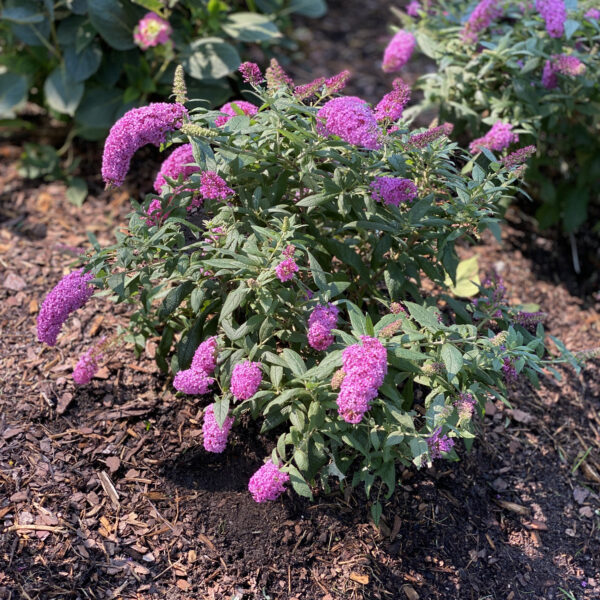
x: 499, y: 137
x: 392, y: 104
x: 193, y: 382
x: 136, y: 128
x: 268, y: 483
x: 69, y: 294
x: 88, y: 363
x: 245, y: 379
x: 286, y: 269
x: 554, y: 14
x: 213, y: 187
x: 205, y: 357
x: 393, y: 190
x: 215, y: 437
x: 398, y: 51
x: 251, y: 73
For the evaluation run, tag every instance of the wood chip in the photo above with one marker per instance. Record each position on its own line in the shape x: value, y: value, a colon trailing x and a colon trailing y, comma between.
x: 183, y: 584
x: 410, y: 592
x: 362, y: 579
x: 109, y: 488
x: 113, y: 463
x: 516, y: 508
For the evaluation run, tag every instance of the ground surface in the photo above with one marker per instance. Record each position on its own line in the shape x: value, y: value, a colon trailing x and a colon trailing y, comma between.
x: 106, y: 492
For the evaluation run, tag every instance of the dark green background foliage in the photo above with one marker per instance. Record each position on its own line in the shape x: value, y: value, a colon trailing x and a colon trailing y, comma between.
x: 78, y: 57
x: 500, y: 79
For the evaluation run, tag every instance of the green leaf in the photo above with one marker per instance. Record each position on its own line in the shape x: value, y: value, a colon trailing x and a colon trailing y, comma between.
x: 234, y: 299
x: 467, y: 278
x: 63, y: 94
x: 294, y: 362
x: 453, y: 360
x: 250, y: 27
x: 571, y: 27
x: 221, y: 408
x: 423, y: 316
x: 308, y: 8
x: 189, y: 342
x: 77, y: 191
x: 13, y: 92
x: 112, y: 22
x: 174, y: 298
x: 210, y: 58
x: 25, y: 12
x: 298, y: 482
x: 82, y: 65
x: 376, y: 512
x: 155, y: 6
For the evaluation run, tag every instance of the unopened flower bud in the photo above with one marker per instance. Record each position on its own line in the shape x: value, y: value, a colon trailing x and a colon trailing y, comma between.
x: 336, y: 380
x: 179, y: 87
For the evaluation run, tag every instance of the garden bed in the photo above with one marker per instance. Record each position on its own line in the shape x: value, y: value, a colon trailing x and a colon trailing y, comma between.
x: 107, y: 491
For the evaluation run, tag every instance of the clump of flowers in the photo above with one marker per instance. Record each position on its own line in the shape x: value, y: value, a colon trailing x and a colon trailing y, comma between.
x: 287, y: 268
x: 391, y: 106
x: 413, y: 8
x: 509, y: 371
x: 276, y: 77
x: 337, y: 83
x: 320, y: 323
x: 136, y: 128
x: 154, y: 213
x: 88, y: 364
x: 214, y: 187
x: 215, y: 437
x: 205, y: 357
x: 518, y: 157
x: 439, y: 443
x: 245, y: 379
x: 421, y: 140
x: 193, y: 382
x: 393, y: 190
x: 179, y: 163
x: 308, y: 90
x: 365, y: 367
x: 554, y: 14
x: 251, y: 73
x: 398, y: 51
x: 481, y: 18
x: 351, y: 119
x: 593, y: 13
x: 151, y: 31
x: 69, y: 295
x: 465, y: 406
x: 246, y: 107
x: 268, y: 483
x: 499, y: 137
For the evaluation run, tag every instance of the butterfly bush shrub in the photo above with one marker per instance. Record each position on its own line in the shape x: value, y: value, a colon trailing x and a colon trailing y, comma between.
x: 283, y: 277
x: 533, y: 66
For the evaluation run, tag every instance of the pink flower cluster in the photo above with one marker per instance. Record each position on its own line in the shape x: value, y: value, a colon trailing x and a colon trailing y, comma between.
x: 287, y: 268
x: 214, y: 187
x: 413, y: 8
x: 365, y: 367
x: 276, y: 77
x: 518, y: 157
x: 351, y: 119
x: 439, y: 443
x: 151, y: 31
x: 554, y: 14
x: 251, y: 73
x: 481, y: 17
x: 320, y: 323
x: 337, y: 83
x: 392, y: 104
x: 500, y: 136
x: 196, y: 380
x: 88, y: 363
x: 563, y: 64
x: 245, y: 379
x: 308, y: 90
x: 464, y: 406
x: 215, y: 437
x: 398, y: 51
x: 154, y: 214
x: 136, y: 128
x: 69, y: 294
x: 593, y: 13
x: 246, y: 107
x: 268, y: 483
x: 393, y: 190
x: 179, y: 162
x: 420, y: 140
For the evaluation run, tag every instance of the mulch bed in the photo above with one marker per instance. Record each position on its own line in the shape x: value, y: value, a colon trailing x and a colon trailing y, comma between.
x: 106, y: 491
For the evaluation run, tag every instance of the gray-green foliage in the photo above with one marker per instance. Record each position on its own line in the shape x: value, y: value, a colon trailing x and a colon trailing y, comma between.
x: 78, y: 57
x: 187, y: 281
x: 500, y: 78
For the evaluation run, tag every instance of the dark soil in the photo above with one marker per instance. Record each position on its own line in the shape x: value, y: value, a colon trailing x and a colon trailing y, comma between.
x: 106, y: 491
